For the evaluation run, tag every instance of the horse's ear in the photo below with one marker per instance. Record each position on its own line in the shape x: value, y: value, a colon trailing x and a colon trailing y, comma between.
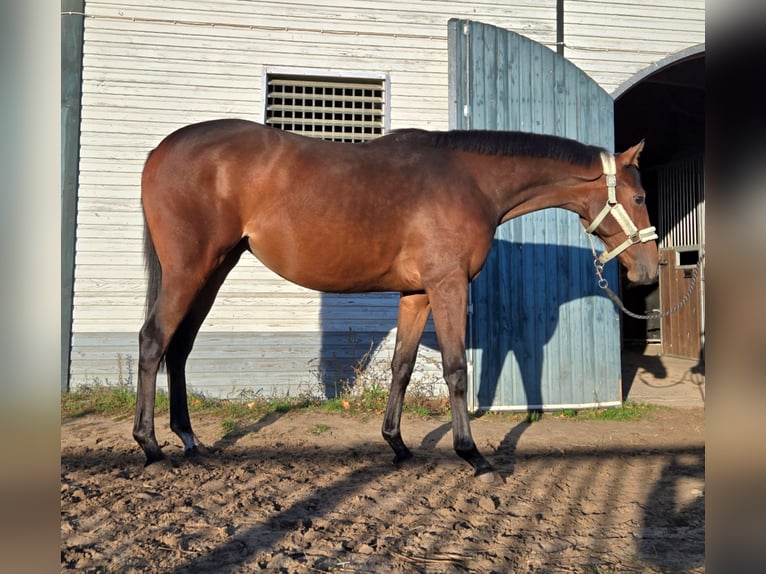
x: 630, y: 156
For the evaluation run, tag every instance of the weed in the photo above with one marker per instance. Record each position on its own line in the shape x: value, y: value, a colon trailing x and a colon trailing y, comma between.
x: 534, y: 416
x: 332, y: 405
x: 286, y: 405
x: 99, y: 397
x: 228, y: 426
x: 125, y: 370
x: 318, y: 429
x: 629, y: 411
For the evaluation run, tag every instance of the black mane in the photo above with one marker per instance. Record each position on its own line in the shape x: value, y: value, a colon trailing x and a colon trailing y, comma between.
x: 507, y: 143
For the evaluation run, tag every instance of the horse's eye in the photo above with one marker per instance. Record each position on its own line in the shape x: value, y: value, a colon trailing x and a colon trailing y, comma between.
x: 639, y: 199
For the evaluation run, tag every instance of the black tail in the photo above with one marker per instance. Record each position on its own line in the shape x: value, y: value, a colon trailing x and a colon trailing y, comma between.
x: 153, y: 271
x: 151, y: 264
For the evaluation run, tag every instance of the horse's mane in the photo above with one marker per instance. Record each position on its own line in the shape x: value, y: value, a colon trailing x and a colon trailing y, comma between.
x: 508, y: 143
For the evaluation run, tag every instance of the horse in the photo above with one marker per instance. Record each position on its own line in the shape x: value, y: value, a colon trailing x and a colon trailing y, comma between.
x: 412, y: 211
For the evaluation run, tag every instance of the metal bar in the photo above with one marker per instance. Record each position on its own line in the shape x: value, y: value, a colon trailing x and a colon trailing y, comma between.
x: 310, y: 83
x: 681, y: 216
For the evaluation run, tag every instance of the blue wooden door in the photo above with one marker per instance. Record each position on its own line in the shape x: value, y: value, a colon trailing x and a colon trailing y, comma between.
x: 541, y: 334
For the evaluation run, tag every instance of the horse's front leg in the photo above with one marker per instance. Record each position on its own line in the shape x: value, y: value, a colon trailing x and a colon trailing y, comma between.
x: 413, y: 315
x: 449, y: 304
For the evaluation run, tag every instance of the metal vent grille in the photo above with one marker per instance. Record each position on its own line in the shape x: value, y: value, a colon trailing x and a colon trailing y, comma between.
x: 343, y: 109
x: 682, y: 203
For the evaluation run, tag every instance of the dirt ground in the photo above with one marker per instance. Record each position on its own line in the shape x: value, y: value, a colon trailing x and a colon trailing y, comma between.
x: 317, y: 492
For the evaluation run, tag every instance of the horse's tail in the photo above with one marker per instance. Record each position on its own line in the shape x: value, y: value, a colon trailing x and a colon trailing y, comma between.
x: 151, y: 263
x: 153, y: 271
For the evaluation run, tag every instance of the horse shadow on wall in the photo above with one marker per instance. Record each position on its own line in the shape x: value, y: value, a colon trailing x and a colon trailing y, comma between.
x: 516, y: 328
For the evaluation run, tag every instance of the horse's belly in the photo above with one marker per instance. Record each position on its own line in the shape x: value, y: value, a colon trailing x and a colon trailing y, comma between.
x: 331, y: 266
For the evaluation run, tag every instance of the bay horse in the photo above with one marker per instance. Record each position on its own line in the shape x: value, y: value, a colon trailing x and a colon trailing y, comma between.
x: 412, y: 211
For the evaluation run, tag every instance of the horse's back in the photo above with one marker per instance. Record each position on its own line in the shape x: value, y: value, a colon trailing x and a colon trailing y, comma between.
x: 327, y: 215
x: 217, y: 128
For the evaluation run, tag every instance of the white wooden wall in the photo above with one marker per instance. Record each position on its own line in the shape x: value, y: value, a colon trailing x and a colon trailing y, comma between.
x: 612, y: 40
x: 152, y: 67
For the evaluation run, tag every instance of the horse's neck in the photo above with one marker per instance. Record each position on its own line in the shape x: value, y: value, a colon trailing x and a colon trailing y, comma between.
x: 524, y: 185
x: 537, y: 198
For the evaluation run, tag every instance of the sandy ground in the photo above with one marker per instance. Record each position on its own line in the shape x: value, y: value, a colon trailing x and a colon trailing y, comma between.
x: 317, y: 492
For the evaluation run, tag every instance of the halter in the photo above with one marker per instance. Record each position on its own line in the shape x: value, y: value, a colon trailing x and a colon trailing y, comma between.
x: 618, y: 212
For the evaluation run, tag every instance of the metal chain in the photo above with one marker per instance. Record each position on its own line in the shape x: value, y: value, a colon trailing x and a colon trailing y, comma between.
x: 604, y: 284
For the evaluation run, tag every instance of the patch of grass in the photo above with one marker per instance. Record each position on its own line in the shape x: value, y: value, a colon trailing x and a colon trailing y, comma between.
x: 318, y: 429
x: 421, y: 411
x: 534, y: 416
x: 108, y: 399
x: 629, y: 411
x: 119, y: 400
x: 427, y: 406
x: 509, y: 417
x: 228, y: 426
x: 101, y: 398
x: 286, y: 405
x: 332, y: 405
x: 361, y: 401
x: 373, y: 398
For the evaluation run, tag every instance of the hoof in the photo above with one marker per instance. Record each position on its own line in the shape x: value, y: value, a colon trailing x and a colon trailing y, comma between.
x: 158, y: 468
x: 402, y: 459
x: 198, y: 450
x: 489, y: 477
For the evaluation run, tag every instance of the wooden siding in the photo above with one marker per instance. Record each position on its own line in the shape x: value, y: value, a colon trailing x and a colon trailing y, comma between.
x: 612, y: 40
x: 149, y: 68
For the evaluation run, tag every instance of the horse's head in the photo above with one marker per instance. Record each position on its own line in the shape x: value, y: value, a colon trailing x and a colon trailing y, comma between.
x: 617, y: 214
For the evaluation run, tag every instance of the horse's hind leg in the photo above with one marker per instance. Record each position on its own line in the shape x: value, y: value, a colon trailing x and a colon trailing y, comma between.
x: 176, y: 296
x: 181, y: 345
x: 179, y: 287
x: 413, y: 314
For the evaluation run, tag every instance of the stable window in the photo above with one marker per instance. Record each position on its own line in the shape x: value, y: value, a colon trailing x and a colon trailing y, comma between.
x: 339, y: 109
x: 687, y: 256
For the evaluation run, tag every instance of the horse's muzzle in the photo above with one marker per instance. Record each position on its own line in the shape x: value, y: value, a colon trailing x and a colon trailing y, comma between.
x: 642, y: 275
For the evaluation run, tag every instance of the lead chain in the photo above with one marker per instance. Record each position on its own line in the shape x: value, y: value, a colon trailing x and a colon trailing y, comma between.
x: 604, y: 284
